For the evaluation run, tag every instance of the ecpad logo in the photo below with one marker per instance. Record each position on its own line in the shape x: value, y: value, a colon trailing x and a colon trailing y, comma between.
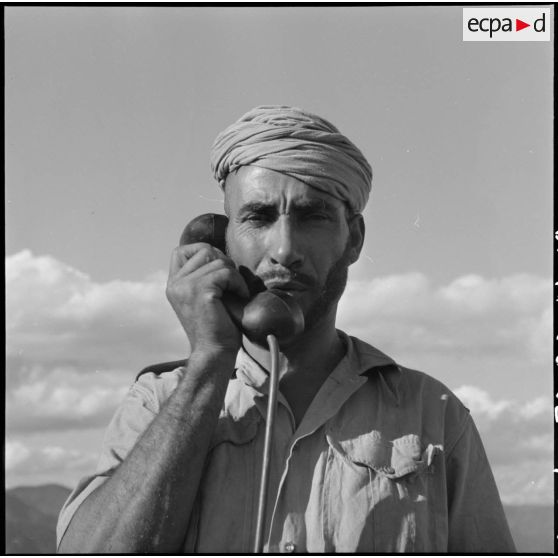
x: 506, y: 24
x: 494, y: 24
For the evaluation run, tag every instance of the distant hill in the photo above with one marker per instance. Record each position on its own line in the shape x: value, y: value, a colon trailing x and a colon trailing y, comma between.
x: 31, y: 515
x: 32, y: 512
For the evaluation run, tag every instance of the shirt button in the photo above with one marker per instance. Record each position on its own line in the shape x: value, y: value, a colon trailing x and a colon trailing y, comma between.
x: 290, y: 547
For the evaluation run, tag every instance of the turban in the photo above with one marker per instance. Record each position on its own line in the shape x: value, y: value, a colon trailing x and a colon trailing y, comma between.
x: 299, y: 144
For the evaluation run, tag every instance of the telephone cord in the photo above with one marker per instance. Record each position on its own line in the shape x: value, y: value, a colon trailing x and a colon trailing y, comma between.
x: 270, y: 421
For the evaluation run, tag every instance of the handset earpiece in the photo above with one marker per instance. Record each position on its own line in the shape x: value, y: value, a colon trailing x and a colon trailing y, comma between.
x: 209, y: 227
x: 270, y: 312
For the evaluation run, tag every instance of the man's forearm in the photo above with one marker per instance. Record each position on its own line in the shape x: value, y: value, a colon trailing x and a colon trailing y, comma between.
x: 145, y: 506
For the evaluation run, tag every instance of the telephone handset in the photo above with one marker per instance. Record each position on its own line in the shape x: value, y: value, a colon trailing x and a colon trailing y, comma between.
x: 269, y: 312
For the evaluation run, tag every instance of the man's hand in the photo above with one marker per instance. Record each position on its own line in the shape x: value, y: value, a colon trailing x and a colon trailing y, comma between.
x: 199, y: 275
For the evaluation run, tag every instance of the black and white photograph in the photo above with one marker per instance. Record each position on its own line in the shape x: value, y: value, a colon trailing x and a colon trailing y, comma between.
x: 279, y: 279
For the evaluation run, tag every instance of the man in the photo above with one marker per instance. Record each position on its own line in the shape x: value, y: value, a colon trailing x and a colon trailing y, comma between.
x: 367, y: 456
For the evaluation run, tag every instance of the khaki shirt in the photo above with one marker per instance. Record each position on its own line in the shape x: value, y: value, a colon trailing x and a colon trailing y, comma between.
x: 386, y: 459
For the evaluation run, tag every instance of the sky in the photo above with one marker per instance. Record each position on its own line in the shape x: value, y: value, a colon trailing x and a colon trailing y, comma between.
x: 110, y: 115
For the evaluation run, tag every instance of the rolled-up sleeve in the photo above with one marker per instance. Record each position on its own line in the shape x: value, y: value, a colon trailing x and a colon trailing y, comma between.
x: 477, y: 523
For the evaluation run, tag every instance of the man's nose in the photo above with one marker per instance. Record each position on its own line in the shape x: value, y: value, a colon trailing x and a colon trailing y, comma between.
x: 283, y: 244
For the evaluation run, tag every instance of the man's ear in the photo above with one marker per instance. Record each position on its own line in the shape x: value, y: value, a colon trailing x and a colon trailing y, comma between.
x: 356, y: 236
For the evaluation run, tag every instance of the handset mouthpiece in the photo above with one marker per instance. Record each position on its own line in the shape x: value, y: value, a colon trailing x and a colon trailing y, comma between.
x: 272, y: 312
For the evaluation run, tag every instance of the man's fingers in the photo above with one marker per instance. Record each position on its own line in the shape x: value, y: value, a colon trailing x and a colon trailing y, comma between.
x: 231, y: 281
x: 199, y: 262
x: 198, y: 253
x: 219, y: 274
x: 181, y: 254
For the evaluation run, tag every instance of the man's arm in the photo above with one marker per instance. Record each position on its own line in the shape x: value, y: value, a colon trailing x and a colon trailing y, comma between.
x: 145, y: 506
x: 477, y: 523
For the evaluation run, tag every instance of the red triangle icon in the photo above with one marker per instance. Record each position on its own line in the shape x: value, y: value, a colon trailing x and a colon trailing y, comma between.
x: 519, y: 25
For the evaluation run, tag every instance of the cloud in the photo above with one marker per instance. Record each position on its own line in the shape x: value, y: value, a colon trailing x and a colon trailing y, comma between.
x: 57, y: 314
x: 23, y: 461
x: 507, y: 316
x: 74, y: 346
x: 62, y: 399
x: 16, y: 453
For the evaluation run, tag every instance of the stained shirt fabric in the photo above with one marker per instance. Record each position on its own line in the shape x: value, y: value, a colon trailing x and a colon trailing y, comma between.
x: 386, y: 459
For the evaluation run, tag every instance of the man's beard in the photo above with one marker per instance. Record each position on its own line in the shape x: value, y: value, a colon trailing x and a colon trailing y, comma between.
x: 333, y: 288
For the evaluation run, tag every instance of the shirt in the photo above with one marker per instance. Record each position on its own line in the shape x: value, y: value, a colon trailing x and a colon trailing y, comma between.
x: 385, y: 459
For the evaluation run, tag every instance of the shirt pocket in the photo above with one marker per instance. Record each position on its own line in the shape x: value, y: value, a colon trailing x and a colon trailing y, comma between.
x: 378, y: 494
x: 223, y: 519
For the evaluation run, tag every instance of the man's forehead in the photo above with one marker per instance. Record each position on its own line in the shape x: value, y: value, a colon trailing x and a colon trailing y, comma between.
x: 252, y: 184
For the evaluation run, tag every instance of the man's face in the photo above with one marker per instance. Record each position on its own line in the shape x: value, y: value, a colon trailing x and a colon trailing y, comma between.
x: 291, y: 236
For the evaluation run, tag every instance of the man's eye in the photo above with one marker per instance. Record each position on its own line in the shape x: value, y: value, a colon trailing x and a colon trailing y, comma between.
x: 316, y: 216
x: 258, y: 218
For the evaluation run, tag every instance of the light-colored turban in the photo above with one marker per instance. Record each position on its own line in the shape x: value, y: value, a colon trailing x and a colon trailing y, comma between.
x: 296, y: 143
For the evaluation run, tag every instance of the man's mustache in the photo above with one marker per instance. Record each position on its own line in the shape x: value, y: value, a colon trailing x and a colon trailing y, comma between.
x: 256, y: 283
x: 287, y: 276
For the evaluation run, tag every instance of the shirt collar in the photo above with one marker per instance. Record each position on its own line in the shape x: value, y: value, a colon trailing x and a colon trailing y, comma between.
x: 361, y: 359
x: 373, y: 362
